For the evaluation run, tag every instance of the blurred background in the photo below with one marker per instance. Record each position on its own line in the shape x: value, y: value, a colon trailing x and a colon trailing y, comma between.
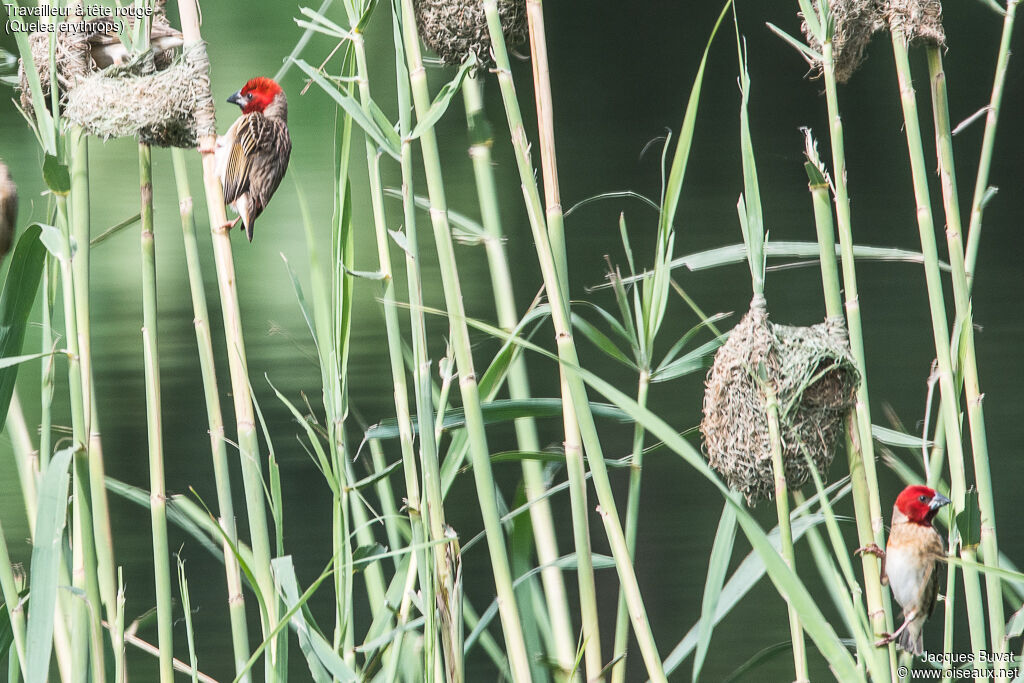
x: 621, y: 78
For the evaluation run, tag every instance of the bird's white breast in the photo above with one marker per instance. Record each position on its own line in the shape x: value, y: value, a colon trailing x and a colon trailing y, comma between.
x: 906, y: 574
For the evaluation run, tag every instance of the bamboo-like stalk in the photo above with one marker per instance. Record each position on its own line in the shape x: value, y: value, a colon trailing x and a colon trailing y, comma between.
x: 86, y: 634
x: 796, y: 632
x: 577, y: 395
x: 154, y: 423
x: 861, y: 458
x: 48, y: 368
x: 825, y: 230
x: 503, y: 288
x: 478, y: 449
x: 937, y: 308
x: 215, y: 419
x: 248, y: 443
x: 988, y: 141
x: 421, y: 362
x: 965, y: 323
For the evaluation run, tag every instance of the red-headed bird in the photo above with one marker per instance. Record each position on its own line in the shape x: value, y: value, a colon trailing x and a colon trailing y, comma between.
x: 910, y: 562
x: 253, y: 155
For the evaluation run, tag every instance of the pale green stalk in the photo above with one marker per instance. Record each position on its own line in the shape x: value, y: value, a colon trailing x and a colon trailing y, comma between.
x: 154, y: 423
x: 968, y: 358
x: 48, y: 369
x: 940, y: 328
x: 988, y: 142
x: 248, y: 442
x: 215, y: 420
x: 880, y: 659
x: 862, y: 457
x: 796, y: 632
x: 421, y: 362
x: 577, y: 395
x: 503, y: 288
x: 479, y: 453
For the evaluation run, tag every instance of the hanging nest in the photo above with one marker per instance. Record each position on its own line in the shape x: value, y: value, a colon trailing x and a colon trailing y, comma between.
x: 856, y: 21
x: 152, y: 96
x: 919, y: 20
x: 454, y: 28
x: 816, y: 383
x: 138, y: 100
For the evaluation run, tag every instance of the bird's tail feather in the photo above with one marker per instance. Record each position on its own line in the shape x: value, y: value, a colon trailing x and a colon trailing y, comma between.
x: 912, y: 639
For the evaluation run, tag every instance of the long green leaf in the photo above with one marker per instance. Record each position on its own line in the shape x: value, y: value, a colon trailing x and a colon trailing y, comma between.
x: 718, y: 565
x: 353, y: 109
x: 502, y: 410
x: 51, y: 517
x: 19, y: 293
x: 443, y: 98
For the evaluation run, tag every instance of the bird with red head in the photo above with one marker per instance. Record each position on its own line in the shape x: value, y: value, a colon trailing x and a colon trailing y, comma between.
x: 910, y: 562
x: 253, y: 155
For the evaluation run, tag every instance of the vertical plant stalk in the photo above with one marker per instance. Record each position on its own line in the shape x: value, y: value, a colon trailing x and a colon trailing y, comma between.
x: 248, y: 442
x: 215, y: 420
x: 503, y: 287
x: 940, y: 328
x: 14, y: 605
x: 478, y: 449
x: 965, y: 323
x: 796, y: 632
x: 862, y: 457
x: 988, y: 142
x: 577, y: 396
x: 819, y: 187
x: 154, y: 422
x: 556, y: 234
x: 421, y: 362
x: 636, y: 463
x: 86, y: 634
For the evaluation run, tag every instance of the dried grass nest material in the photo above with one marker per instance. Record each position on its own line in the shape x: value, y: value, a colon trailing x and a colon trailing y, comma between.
x: 856, y: 21
x: 454, y: 28
x: 816, y: 383
x: 137, y: 100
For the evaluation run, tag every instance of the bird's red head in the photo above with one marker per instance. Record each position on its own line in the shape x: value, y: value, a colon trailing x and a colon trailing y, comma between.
x: 920, y: 504
x: 256, y: 95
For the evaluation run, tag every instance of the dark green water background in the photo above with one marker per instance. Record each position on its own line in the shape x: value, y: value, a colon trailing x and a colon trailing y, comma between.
x: 621, y: 75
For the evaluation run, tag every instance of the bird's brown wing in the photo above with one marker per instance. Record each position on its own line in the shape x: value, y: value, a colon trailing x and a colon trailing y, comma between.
x: 243, y: 143
x: 931, y: 584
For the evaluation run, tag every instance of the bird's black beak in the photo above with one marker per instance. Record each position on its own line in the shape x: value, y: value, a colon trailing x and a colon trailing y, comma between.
x: 237, y: 99
x: 938, y: 501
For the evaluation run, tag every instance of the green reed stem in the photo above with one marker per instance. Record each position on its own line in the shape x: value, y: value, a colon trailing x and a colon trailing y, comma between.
x: 834, y: 310
x: 861, y: 458
x: 248, y: 442
x: 85, y: 631
x: 15, y: 607
x: 796, y: 632
x: 577, y: 394
x: 940, y: 328
x: 636, y: 463
x: 479, y: 452
x: 503, y: 288
x: 215, y: 419
x: 988, y: 142
x: 421, y: 362
x: 48, y: 369
x: 965, y: 323
x: 154, y: 422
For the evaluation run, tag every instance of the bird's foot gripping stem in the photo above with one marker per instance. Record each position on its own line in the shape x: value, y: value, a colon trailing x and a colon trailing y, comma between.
x: 230, y: 224
x: 870, y: 549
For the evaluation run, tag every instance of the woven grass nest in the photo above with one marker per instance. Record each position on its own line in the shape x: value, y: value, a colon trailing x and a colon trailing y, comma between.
x: 151, y: 97
x: 856, y: 21
x: 816, y: 383
x: 454, y: 28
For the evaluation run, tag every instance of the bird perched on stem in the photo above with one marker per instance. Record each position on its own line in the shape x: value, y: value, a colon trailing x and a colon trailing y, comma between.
x: 252, y: 156
x: 910, y: 562
x: 8, y: 209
